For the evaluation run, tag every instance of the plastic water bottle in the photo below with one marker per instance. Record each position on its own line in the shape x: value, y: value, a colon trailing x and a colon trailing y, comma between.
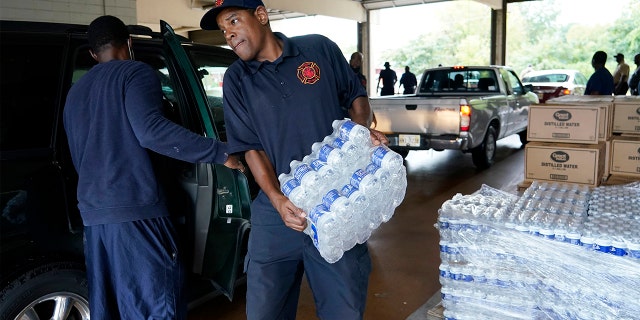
x: 292, y: 190
x: 349, y: 130
x: 341, y: 206
x: 308, y: 177
x: 363, y: 207
x: 327, y: 174
x: 385, y: 158
x: 328, y: 154
x: 367, y: 183
x: 338, y: 204
x: 354, y: 154
x: 323, y: 228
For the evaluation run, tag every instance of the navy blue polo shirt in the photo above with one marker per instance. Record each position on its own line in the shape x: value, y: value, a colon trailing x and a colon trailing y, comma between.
x: 284, y: 106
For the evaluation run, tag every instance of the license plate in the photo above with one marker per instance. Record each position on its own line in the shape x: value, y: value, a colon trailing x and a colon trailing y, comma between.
x: 409, y: 140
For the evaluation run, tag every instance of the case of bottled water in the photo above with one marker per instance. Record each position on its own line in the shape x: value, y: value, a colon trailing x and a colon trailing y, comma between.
x: 558, y: 251
x: 347, y: 186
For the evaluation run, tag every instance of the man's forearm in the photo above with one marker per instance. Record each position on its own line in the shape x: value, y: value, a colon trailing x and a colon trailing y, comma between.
x: 360, y: 111
x: 263, y: 172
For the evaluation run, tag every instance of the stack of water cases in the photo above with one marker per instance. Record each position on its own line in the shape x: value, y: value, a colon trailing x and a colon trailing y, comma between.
x: 347, y: 186
x: 559, y: 251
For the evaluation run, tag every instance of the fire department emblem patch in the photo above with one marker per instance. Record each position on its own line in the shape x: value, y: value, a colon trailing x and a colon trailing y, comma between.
x: 309, y: 73
x: 218, y: 3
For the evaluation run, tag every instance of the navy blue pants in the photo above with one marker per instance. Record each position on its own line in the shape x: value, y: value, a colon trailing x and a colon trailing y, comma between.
x: 135, y: 271
x: 278, y: 257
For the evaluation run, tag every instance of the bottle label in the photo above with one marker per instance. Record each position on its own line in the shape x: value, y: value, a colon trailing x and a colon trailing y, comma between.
x: 317, y: 165
x: 378, y: 154
x: 315, y: 214
x: 345, y: 129
x: 372, y: 168
x: 324, y: 152
x: 348, y: 190
x: 289, y: 186
x: 330, y: 198
x: 357, y: 177
x: 338, y: 143
x: 314, y: 230
x: 301, y: 170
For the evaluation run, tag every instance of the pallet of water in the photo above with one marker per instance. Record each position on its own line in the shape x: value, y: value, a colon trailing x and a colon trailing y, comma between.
x: 559, y: 251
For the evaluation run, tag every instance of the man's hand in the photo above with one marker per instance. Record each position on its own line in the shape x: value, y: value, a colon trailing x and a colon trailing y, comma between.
x: 292, y: 216
x: 378, y: 138
x: 234, y: 162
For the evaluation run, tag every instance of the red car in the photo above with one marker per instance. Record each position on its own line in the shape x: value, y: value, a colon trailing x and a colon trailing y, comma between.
x: 549, y: 84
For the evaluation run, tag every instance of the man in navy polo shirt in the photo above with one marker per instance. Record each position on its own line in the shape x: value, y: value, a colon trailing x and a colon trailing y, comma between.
x: 279, y: 98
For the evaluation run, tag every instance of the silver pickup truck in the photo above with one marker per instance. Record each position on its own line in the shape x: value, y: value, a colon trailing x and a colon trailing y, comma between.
x: 462, y: 108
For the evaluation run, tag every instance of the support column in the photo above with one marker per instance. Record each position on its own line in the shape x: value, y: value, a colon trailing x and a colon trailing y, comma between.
x: 499, y: 35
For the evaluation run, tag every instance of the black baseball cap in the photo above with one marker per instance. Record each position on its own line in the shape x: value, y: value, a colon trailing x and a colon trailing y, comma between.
x: 209, y: 22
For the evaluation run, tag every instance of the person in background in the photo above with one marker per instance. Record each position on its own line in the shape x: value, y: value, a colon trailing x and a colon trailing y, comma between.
x: 113, y: 120
x: 408, y: 81
x: 389, y: 79
x: 621, y: 75
x: 634, y: 80
x: 356, y: 64
x: 458, y: 82
x: 280, y: 97
x: 601, y: 81
x: 526, y: 70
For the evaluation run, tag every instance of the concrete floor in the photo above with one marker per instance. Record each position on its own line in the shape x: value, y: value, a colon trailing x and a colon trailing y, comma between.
x: 404, y: 251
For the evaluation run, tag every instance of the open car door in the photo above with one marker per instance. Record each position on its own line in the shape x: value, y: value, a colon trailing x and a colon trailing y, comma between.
x: 220, y: 196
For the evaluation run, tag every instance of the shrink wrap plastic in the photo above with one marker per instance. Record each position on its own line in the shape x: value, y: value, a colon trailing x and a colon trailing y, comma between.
x: 560, y: 251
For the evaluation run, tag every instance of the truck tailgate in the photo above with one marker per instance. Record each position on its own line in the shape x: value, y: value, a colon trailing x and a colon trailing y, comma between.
x: 433, y: 116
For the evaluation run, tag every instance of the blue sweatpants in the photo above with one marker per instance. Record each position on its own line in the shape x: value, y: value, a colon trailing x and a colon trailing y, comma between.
x: 135, y: 271
x: 277, y: 258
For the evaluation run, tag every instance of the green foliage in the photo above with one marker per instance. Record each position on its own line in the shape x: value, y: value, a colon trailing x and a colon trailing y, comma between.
x: 535, y: 35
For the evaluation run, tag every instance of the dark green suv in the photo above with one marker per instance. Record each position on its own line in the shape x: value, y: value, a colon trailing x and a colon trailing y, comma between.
x: 42, y: 264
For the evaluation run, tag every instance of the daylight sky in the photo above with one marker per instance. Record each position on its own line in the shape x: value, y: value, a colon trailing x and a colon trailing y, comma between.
x: 394, y: 25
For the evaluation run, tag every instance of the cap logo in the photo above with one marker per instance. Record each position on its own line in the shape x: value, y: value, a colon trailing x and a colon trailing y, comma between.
x: 218, y: 3
x: 309, y: 73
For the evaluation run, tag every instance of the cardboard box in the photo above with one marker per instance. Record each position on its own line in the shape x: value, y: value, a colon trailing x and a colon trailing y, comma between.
x: 564, y: 123
x: 626, y: 115
x: 564, y: 162
x: 625, y: 156
x: 605, y: 103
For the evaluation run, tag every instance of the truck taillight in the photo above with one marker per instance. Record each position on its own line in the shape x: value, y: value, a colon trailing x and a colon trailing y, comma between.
x: 465, y: 117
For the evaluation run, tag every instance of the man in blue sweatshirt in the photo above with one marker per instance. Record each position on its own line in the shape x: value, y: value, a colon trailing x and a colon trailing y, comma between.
x: 113, y: 117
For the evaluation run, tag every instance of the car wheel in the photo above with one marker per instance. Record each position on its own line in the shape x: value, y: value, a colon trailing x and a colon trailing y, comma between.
x: 53, y: 291
x: 483, y: 154
x: 523, y: 137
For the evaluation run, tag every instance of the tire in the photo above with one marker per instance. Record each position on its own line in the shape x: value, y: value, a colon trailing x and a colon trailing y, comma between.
x: 523, y: 137
x: 37, y: 294
x: 484, y: 154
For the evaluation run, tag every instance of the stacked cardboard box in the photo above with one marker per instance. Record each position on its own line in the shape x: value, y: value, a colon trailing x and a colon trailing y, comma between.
x: 584, y: 139
x: 624, y: 151
x: 569, y: 140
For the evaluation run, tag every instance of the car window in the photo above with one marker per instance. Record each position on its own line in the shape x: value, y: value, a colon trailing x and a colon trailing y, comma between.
x: 512, y: 82
x: 31, y: 68
x: 581, y: 79
x: 552, y: 77
x: 211, y: 69
x: 455, y: 79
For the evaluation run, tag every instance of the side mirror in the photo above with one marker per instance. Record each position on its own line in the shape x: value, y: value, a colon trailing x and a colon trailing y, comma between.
x: 528, y: 88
